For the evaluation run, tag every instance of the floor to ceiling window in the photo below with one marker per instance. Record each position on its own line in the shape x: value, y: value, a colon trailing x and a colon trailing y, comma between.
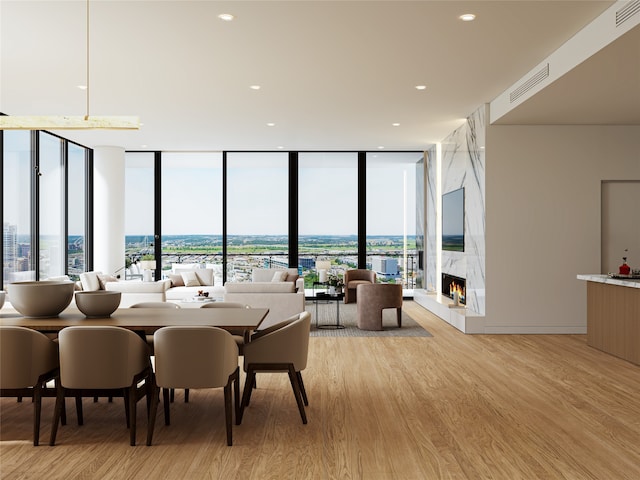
x: 192, y: 210
x: 76, y: 211
x: 139, y: 211
x: 391, y: 216
x: 51, y: 222
x: 327, y: 212
x: 16, y: 191
x: 257, y: 212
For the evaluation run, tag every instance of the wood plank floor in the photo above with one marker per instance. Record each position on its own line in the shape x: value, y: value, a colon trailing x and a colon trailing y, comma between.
x: 448, y: 406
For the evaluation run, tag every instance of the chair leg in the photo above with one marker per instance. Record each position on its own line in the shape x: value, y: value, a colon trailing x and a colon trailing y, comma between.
x: 165, y: 403
x: 57, y: 413
x: 236, y: 392
x: 227, y: 410
x: 186, y: 395
x: 302, y: 390
x: 79, y: 413
x: 246, y: 394
x: 132, y: 414
x: 155, y: 399
x: 296, y: 392
x: 172, y: 394
x: 399, y: 314
x: 37, y: 405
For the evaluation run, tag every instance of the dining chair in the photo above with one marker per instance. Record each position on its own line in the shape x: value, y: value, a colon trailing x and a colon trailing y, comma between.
x: 195, y: 357
x: 28, y: 360
x: 283, y: 349
x: 149, y: 338
x: 240, y: 336
x: 353, y: 278
x: 102, y: 361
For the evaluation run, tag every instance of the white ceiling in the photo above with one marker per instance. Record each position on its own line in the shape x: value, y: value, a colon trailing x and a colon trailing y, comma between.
x: 334, y: 74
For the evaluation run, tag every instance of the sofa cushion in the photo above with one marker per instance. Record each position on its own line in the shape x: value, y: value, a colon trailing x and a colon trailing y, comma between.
x: 205, y: 276
x: 266, y: 274
x: 190, y: 279
x: 90, y: 281
x: 176, y: 279
x: 103, y: 278
x: 291, y: 278
x: 279, y: 276
x: 260, y: 287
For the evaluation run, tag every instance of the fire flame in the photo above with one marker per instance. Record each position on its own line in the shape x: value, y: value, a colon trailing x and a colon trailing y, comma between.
x: 459, y: 289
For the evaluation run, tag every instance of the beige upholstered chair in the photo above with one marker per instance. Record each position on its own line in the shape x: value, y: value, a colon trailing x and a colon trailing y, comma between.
x: 149, y: 338
x: 155, y: 305
x: 372, y: 299
x: 195, y: 357
x: 353, y: 278
x: 28, y: 359
x: 283, y: 349
x: 101, y: 361
x: 240, y: 336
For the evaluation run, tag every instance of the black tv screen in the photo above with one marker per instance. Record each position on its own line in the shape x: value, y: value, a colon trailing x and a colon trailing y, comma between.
x: 453, y: 221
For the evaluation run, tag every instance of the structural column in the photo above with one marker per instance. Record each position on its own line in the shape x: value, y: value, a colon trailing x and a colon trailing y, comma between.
x: 108, y: 209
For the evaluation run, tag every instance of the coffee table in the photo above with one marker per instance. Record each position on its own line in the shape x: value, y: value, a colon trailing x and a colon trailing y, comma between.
x: 328, y: 298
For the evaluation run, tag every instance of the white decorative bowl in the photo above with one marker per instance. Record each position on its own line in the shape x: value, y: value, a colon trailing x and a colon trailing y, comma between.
x: 99, y: 303
x: 40, y: 299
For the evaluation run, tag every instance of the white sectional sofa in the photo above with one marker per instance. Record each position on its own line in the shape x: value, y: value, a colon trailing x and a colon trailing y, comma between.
x: 283, y: 298
x: 133, y: 291
x: 188, y: 280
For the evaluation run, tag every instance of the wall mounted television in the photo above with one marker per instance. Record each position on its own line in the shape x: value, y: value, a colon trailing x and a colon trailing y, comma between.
x: 453, y: 221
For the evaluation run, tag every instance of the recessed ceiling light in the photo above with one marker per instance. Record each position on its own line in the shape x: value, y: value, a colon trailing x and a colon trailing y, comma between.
x: 380, y: 147
x: 280, y: 147
x: 255, y: 87
x: 395, y: 124
x: 421, y: 87
x: 271, y: 124
x: 227, y: 17
x: 82, y: 87
x: 144, y: 146
x: 467, y: 17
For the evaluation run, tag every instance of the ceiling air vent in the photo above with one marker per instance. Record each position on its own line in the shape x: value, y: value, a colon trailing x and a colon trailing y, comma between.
x: 529, y: 84
x: 626, y: 12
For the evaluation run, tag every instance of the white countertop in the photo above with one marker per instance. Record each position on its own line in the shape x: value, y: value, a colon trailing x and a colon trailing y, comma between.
x: 623, y: 282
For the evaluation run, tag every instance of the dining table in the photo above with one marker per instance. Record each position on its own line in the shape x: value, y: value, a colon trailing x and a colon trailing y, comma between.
x: 145, y: 320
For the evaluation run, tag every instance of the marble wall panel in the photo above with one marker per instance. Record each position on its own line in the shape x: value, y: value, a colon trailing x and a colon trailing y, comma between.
x: 431, y: 254
x: 463, y: 165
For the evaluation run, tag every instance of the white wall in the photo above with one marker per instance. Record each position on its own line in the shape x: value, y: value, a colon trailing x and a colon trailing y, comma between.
x: 543, y: 220
x: 108, y: 209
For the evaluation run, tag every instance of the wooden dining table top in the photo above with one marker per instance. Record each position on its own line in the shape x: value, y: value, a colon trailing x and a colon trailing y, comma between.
x: 145, y: 319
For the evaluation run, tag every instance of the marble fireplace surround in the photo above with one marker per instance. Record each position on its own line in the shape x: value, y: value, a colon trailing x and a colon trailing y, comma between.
x: 459, y: 164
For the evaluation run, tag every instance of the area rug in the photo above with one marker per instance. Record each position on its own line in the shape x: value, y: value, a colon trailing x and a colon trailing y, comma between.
x: 327, y: 315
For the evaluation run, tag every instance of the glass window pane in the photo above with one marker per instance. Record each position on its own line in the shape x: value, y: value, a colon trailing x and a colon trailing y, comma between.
x: 391, y: 216
x: 77, y: 198
x: 192, y: 210
x: 16, y: 190
x: 327, y: 212
x: 257, y: 212
x: 51, y: 221
x: 138, y: 216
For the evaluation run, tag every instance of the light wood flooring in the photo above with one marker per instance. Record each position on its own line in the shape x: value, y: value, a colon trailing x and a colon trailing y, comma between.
x: 448, y: 406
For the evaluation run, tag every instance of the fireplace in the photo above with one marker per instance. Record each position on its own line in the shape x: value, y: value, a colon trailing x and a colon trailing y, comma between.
x: 451, y: 284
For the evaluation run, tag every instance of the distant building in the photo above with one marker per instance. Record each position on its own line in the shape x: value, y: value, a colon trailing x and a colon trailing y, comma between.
x: 385, y: 266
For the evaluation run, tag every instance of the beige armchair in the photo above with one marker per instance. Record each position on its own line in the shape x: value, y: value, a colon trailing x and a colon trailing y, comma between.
x: 102, y: 361
x: 28, y: 359
x: 195, y: 357
x: 282, y: 349
x: 373, y: 299
x: 353, y: 278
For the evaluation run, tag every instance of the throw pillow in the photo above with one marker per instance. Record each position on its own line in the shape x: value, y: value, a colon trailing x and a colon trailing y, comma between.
x: 90, y: 281
x: 278, y: 276
x: 176, y: 280
x: 190, y: 279
x: 103, y: 278
x: 292, y: 277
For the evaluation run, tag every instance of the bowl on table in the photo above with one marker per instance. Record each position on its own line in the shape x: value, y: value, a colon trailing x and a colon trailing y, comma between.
x: 99, y: 303
x: 40, y: 298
